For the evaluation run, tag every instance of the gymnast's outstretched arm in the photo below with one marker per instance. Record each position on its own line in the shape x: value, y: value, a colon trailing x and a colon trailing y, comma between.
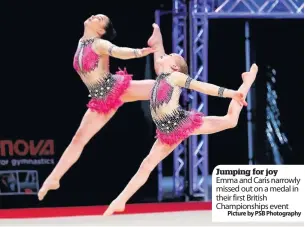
x: 182, y: 80
x: 105, y: 47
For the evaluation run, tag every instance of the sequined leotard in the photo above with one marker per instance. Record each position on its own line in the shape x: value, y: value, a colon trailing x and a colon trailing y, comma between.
x: 105, y: 89
x: 173, y: 123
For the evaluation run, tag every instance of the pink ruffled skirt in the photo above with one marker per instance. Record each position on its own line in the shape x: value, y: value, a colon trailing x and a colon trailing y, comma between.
x: 183, y: 130
x: 112, y: 101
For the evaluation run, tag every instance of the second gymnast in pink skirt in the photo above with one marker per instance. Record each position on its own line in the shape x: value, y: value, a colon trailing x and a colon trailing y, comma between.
x: 107, y: 91
x: 173, y: 123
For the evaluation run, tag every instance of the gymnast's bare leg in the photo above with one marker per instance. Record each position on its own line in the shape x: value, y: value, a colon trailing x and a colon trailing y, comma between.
x: 213, y: 124
x: 91, y: 123
x: 159, y: 151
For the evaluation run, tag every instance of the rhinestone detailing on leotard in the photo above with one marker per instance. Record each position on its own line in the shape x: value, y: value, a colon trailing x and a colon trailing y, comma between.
x: 171, y: 121
x: 177, y: 124
x: 161, y: 93
x: 85, y: 59
x: 102, y: 89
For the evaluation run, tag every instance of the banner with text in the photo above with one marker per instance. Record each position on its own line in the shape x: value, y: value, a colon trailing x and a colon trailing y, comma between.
x: 20, y: 161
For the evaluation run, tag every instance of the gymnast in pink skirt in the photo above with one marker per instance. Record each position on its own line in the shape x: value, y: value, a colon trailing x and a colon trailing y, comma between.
x: 107, y: 91
x: 173, y: 123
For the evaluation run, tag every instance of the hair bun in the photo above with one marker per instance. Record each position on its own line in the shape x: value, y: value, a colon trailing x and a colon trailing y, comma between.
x: 110, y: 32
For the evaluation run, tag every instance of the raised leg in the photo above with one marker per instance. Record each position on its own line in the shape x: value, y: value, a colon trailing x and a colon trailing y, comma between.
x: 213, y: 124
x: 139, y: 90
x: 156, y: 37
x: 158, y: 152
x: 156, y: 42
x: 91, y: 123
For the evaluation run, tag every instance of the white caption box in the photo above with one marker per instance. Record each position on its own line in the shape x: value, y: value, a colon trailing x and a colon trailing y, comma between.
x: 258, y: 193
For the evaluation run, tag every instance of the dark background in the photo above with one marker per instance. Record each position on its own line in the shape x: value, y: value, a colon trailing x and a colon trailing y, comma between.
x: 43, y: 98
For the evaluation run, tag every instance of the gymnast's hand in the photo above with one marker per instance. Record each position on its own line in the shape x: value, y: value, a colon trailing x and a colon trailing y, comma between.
x: 146, y: 51
x: 239, y: 97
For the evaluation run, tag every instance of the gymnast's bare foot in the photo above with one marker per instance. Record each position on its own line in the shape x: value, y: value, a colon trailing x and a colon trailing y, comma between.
x: 249, y: 77
x: 49, y: 184
x: 115, y: 206
x: 156, y: 37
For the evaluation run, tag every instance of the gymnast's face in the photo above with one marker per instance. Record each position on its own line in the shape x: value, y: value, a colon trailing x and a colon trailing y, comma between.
x: 97, y: 23
x: 170, y: 61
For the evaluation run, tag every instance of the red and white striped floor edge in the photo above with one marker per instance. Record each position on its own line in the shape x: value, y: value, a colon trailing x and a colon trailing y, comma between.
x: 148, y: 214
x: 98, y: 210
